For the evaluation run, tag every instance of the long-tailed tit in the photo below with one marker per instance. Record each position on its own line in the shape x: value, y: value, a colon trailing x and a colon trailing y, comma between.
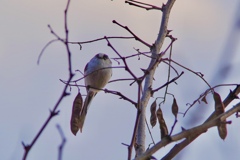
x: 97, y: 73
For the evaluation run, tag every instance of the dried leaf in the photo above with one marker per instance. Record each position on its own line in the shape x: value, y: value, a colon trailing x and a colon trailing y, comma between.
x: 219, y: 109
x: 153, y: 118
x: 204, y: 99
x: 222, y: 130
x: 76, y: 109
x: 175, y: 108
x: 162, y: 124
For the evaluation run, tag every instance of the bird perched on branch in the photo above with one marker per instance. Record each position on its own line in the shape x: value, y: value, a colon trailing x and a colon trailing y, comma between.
x: 97, y: 72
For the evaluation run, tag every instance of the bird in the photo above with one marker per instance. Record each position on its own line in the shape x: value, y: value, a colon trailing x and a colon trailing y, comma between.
x: 97, y: 73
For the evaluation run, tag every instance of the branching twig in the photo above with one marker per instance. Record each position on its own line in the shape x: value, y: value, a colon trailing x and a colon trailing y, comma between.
x: 156, y: 60
x: 155, y: 49
x: 199, y: 74
x: 167, y: 83
x: 54, y: 111
x: 123, y: 59
x: 139, y: 81
x: 138, y: 54
x: 142, y: 5
x: 188, y: 134
x: 99, y: 39
x: 134, y: 35
x: 121, y: 95
x: 177, y: 148
x: 205, y: 94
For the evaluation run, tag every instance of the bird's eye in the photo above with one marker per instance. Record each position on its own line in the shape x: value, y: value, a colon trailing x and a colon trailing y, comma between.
x: 105, y: 57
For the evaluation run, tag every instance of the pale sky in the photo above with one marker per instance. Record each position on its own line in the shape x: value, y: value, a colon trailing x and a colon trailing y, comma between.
x: 28, y: 91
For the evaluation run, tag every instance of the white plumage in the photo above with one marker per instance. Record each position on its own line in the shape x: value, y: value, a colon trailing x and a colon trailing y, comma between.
x: 98, y: 72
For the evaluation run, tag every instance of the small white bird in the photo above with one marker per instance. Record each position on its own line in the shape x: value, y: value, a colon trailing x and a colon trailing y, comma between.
x: 98, y: 72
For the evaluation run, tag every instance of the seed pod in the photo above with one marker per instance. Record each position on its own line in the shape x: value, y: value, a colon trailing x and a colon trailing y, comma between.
x: 76, y: 109
x: 162, y: 124
x: 219, y: 109
x: 175, y: 108
x: 153, y: 118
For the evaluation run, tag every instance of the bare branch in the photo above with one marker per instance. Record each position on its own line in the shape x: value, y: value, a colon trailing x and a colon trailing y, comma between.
x: 103, y: 38
x: 195, y: 131
x: 167, y: 83
x: 134, y: 35
x: 205, y: 94
x: 140, y: 139
x: 142, y: 5
x: 123, y: 59
x: 54, y: 111
x: 121, y: 95
x: 178, y: 147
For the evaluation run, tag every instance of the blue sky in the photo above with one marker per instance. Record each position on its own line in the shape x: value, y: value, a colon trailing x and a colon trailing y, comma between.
x: 27, y: 90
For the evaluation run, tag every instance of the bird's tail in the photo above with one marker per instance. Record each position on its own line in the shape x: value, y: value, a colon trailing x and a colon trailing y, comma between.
x: 85, y: 108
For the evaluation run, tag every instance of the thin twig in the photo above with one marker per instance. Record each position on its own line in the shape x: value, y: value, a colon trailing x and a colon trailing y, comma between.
x: 199, y: 74
x: 44, y: 48
x: 121, y: 95
x: 209, y: 90
x: 74, y: 81
x: 169, y: 72
x: 167, y: 83
x: 134, y: 35
x: 149, y: 131
x: 64, y: 140
x: 123, y: 79
x: 123, y: 59
x: 174, y: 123
x: 103, y: 38
x: 54, y: 111
x: 142, y: 5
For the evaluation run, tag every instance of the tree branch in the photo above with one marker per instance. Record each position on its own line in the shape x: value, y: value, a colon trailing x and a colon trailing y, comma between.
x: 54, y: 111
x: 134, y: 35
x: 195, y: 131
x: 140, y: 139
x: 178, y: 147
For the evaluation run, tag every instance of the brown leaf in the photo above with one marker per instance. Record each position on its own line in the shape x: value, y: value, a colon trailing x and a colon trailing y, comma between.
x: 153, y: 118
x: 175, y: 108
x: 219, y: 109
x: 76, y: 109
x: 222, y: 130
x: 162, y: 124
x: 204, y: 99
